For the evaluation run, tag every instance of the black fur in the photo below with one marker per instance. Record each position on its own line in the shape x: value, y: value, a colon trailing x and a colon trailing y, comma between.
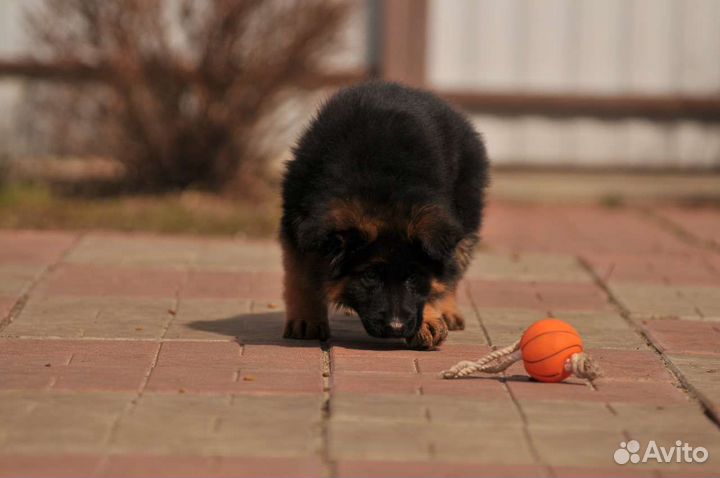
x: 416, y: 169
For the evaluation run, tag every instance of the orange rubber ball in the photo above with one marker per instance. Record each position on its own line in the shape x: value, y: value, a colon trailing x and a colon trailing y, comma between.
x: 546, y: 345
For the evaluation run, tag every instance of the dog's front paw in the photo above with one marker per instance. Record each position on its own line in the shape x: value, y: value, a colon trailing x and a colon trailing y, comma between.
x: 432, y: 333
x: 448, y: 309
x: 454, y: 320
x: 306, y: 329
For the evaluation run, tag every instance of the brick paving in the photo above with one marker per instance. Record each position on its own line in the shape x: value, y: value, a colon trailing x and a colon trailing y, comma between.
x: 139, y: 355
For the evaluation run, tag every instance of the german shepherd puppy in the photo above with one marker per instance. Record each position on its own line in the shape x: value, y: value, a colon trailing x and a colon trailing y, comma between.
x: 382, y: 203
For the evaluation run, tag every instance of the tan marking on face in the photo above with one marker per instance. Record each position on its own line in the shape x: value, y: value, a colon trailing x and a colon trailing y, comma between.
x: 335, y: 289
x: 465, y: 250
x: 347, y: 215
x: 423, y: 220
x: 437, y: 288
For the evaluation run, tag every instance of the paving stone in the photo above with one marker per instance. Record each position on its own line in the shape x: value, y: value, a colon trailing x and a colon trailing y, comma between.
x: 529, y: 228
x: 705, y: 299
x: 666, y: 269
x: 571, y: 389
x: 232, y: 380
x: 570, y: 229
x: 43, y: 465
x: 654, y: 301
x: 54, y: 422
x: 74, y: 365
x: 144, y: 250
x: 622, y: 230
x: 548, y: 297
x: 304, y: 356
x: 16, y: 279
x: 603, y: 472
x: 482, y: 413
x: 77, y: 352
x: 689, y: 417
x: 214, y: 319
x: 92, y: 280
x: 236, y: 255
x: 527, y: 267
x: 172, y: 466
x: 374, y: 365
x: 6, y: 305
x: 363, y: 468
x: 379, y: 441
x: 34, y: 247
x: 481, y: 388
x: 559, y: 296
x: 199, y: 354
x: 136, y: 250
x: 296, y: 408
x: 692, y: 470
x: 259, y: 285
x: 92, y: 317
x: 221, y: 425
x: 369, y: 383
x: 684, y: 336
x: 230, y: 409
x: 504, y: 294
x: 382, y: 408
x: 568, y: 415
x: 630, y: 365
x: 256, y: 357
x: 701, y: 222
x: 507, y: 446
x: 433, y: 409
x: 647, y: 393
x: 469, y: 336
x: 703, y: 374
x: 573, y: 447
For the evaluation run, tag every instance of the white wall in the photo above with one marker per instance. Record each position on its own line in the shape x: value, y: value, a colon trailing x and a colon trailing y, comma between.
x: 583, y: 46
x: 12, y: 42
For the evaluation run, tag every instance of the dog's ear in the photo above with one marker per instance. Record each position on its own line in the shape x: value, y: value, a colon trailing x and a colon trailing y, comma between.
x: 436, y: 230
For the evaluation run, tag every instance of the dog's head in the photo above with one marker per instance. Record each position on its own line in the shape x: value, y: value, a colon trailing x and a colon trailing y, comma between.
x: 387, y: 272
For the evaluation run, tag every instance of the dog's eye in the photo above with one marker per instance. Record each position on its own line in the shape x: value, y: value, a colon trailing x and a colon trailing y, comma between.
x: 370, y: 276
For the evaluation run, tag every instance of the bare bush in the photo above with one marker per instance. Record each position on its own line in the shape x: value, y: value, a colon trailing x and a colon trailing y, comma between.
x: 175, y: 89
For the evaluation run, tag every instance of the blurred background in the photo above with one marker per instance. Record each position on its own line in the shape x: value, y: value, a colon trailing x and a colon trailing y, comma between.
x: 176, y: 115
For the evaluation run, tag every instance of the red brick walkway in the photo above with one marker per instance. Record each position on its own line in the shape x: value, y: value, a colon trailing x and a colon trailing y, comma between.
x: 137, y: 356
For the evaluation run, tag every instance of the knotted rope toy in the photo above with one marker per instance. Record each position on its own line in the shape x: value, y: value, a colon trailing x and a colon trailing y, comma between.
x: 550, y: 349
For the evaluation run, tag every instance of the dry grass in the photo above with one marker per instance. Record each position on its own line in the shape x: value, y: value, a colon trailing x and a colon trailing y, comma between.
x: 34, y: 206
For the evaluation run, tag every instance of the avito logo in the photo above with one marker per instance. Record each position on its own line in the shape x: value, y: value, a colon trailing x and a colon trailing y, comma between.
x: 680, y: 453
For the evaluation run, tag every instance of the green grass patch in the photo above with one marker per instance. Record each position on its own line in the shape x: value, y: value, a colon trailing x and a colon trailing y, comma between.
x: 25, y: 206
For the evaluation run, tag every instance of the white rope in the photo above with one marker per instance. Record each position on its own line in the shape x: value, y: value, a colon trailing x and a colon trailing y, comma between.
x: 583, y: 366
x: 494, y: 362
